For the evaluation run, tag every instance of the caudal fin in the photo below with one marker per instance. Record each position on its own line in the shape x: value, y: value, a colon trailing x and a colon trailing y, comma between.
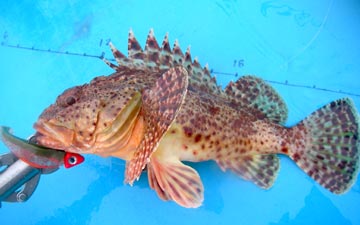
x: 330, y: 151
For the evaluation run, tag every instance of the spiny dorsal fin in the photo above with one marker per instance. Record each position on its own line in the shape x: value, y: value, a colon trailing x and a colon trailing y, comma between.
x: 162, y: 58
x: 253, y: 93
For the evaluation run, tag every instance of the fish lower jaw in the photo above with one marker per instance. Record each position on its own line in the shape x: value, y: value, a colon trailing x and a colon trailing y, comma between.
x: 53, y: 136
x: 49, y: 142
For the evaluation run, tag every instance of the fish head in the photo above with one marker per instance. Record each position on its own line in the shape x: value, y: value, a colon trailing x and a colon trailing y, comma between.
x: 93, y: 118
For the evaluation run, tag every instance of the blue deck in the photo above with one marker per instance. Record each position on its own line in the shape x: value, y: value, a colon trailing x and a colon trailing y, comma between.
x: 309, y: 43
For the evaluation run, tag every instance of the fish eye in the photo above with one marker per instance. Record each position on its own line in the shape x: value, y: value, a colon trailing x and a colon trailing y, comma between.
x: 70, y: 100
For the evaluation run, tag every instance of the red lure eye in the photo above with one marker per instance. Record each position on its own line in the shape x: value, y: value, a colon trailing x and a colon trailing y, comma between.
x: 72, y: 159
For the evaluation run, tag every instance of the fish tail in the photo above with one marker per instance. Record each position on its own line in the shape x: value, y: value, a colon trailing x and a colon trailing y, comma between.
x: 326, y: 145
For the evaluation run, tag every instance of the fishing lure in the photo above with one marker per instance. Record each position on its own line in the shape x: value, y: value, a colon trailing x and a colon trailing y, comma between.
x: 38, y: 156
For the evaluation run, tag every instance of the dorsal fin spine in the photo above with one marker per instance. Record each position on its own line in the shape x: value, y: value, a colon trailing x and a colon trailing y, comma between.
x: 119, y: 57
x: 165, y: 54
x: 152, y: 50
x: 187, y: 60
x: 178, y: 54
x: 134, y: 49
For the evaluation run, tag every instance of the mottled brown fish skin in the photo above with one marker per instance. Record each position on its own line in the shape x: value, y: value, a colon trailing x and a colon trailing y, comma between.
x: 160, y: 108
x: 210, y: 128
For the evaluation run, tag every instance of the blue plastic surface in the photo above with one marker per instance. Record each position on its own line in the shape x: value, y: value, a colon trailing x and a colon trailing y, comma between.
x: 306, y: 43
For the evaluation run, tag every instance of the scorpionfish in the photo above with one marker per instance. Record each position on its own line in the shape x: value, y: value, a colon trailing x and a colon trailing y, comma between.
x: 160, y: 108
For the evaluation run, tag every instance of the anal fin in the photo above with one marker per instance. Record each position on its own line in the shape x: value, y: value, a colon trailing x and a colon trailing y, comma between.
x: 260, y: 169
x: 173, y: 180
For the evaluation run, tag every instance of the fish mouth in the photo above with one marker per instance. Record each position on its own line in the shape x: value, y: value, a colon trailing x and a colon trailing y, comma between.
x: 53, y: 136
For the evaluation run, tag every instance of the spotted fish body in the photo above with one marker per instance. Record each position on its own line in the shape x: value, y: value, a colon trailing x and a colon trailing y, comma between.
x: 160, y: 108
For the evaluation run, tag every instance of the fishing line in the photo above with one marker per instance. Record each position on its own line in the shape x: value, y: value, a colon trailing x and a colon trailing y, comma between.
x: 102, y: 56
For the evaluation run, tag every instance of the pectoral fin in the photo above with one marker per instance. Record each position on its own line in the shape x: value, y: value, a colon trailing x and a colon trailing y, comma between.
x: 161, y: 104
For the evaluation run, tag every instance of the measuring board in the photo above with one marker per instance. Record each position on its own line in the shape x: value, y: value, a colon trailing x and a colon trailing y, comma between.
x: 238, y: 63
